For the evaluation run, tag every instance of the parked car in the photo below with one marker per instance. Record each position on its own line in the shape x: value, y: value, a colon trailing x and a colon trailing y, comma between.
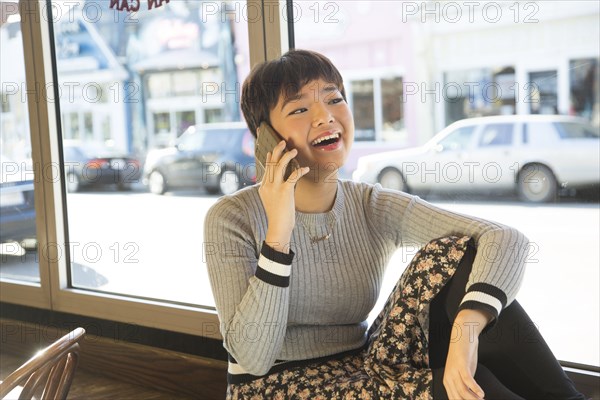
x: 90, y: 164
x: 216, y: 157
x: 17, y: 210
x: 533, y: 154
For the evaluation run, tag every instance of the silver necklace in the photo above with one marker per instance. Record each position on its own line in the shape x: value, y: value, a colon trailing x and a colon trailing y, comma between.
x: 315, y: 240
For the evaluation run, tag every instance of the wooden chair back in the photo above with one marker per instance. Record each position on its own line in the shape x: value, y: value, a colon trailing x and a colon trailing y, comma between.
x: 50, y: 370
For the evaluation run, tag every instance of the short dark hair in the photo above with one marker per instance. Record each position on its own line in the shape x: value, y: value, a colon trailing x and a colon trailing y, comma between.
x: 284, y: 76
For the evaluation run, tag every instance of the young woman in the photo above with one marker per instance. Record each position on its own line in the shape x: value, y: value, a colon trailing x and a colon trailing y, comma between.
x: 299, y: 264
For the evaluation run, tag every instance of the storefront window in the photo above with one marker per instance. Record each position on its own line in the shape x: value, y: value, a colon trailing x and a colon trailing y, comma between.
x: 585, y: 88
x: 478, y: 93
x: 88, y: 126
x: 185, y: 83
x: 184, y: 120
x: 162, y: 123
x: 4, y: 104
x: 74, y: 126
x: 159, y: 85
x: 392, y: 109
x: 208, y: 77
x: 363, y: 109
x: 543, y: 92
x: 105, y: 127
x: 213, y: 115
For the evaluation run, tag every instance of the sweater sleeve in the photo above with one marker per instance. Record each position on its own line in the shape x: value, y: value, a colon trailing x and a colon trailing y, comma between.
x: 251, y: 290
x: 498, y: 267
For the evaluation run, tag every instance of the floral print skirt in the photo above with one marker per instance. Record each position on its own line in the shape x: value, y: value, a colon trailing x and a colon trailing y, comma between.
x: 395, y: 364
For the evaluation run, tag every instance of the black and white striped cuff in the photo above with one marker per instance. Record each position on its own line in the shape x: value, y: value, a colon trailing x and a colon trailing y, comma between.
x: 274, y: 267
x: 484, y: 296
x: 236, y: 374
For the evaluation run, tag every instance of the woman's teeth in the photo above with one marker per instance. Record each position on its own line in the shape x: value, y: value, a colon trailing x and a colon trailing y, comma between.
x: 333, y: 136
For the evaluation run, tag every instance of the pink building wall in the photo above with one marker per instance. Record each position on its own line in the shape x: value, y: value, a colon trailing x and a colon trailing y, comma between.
x: 361, y: 38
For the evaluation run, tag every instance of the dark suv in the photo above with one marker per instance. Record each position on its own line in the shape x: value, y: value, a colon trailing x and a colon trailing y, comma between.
x: 17, y: 210
x: 219, y: 159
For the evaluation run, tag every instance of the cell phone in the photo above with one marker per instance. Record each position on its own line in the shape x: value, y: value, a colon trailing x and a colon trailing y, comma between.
x: 267, y: 139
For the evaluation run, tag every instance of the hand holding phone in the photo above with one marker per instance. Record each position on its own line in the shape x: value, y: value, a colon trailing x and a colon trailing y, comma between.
x: 267, y: 139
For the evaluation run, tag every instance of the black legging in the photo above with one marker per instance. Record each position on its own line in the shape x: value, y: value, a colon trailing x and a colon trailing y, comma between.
x: 514, y: 361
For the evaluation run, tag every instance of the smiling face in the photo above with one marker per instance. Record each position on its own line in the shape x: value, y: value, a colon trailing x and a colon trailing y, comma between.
x: 318, y: 123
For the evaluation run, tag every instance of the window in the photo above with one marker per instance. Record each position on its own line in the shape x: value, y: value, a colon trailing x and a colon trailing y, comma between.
x: 185, y: 83
x: 4, y: 104
x: 363, y: 109
x: 479, y: 92
x: 540, y: 134
x: 209, y: 141
x: 159, y: 84
x: 585, y: 87
x: 19, y: 261
x: 543, y: 92
x: 88, y: 126
x: 162, y: 123
x: 496, y: 135
x: 213, y: 115
x: 569, y: 130
x: 443, y: 67
x: 391, y: 103
x: 184, y: 119
x: 137, y: 247
x: 458, y: 139
x: 73, y: 132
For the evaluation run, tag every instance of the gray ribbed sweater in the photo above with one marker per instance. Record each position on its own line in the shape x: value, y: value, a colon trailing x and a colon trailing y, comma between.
x: 314, y: 302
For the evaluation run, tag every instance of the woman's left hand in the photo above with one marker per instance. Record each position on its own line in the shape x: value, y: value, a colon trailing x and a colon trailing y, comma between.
x: 461, y: 363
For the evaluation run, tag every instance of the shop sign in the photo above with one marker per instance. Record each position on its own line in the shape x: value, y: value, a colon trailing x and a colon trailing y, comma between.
x: 134, y: 5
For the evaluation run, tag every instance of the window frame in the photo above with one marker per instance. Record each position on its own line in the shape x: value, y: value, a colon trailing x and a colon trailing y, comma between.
x: 377, y: 75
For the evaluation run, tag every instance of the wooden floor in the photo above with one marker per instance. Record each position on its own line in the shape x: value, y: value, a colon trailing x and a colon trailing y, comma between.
x: 89, y: 386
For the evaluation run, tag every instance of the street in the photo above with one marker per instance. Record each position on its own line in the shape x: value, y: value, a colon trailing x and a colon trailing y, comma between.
x: 151, y: 246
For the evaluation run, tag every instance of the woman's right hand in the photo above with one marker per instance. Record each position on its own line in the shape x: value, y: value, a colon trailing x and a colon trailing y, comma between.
x: 277, y: 196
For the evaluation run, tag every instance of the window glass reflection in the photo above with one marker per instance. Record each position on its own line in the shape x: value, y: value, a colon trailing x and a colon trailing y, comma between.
x: 496, y: 135
x: 143, y: 89
x: 18, y: 243
x: 446, y: 63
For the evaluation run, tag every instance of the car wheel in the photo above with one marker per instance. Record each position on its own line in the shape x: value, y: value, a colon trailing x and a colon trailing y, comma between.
x: 157, y: 183
x: 123, y: 186
x: 72, y: 183
x: 229, y: 182
x: 212, y: 189
x: 391, y: 178
x: 536, y: 184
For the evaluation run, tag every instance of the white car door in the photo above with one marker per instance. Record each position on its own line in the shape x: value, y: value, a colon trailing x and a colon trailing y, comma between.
x: 443, y: 167
x: 494, y: 158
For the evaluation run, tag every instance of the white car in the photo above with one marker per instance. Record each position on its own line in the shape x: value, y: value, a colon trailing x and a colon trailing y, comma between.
x: 535, y: 155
